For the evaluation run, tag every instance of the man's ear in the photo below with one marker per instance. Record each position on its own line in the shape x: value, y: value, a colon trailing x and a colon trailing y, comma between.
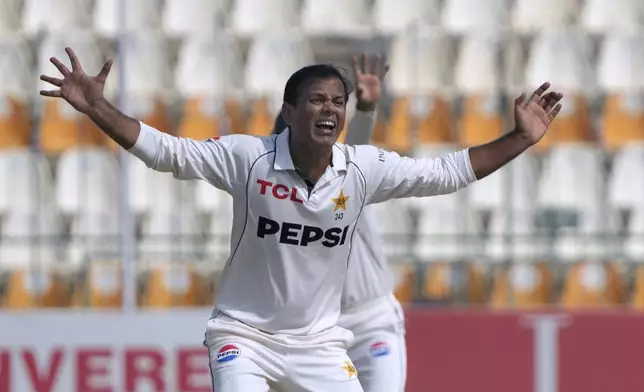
x: 288, y: 112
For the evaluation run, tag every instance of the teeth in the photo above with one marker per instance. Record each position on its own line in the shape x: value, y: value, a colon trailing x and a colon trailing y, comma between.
x: 326, y: 122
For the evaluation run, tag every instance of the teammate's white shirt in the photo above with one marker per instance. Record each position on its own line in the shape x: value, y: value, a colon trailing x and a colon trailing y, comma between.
x: 368, y: 275
x: 289, y: 249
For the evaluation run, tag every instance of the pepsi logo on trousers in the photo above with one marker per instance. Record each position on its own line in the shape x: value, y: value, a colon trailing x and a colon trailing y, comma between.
x: 228, y: 353
x: 379, y: 349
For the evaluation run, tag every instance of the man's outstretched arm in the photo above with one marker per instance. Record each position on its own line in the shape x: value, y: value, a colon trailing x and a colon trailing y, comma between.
x: 392, y: 176
x: 216, y: 162
x: 532, y: 117
x: 85, y: 94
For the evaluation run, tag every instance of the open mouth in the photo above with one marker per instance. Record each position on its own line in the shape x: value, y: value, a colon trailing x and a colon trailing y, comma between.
x: 326, y: 127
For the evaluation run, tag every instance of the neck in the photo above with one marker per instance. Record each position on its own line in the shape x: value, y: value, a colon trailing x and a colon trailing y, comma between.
x: 310, y: 162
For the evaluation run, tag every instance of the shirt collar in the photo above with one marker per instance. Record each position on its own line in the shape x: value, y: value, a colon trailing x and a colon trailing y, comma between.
x: 284, y: 160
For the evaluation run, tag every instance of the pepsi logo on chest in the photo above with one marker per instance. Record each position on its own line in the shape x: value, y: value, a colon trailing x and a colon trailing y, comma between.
x: 379, y: 349
x: 228, y: 353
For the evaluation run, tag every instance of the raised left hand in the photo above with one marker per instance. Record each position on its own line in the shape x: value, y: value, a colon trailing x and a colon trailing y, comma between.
x: 534, y: 116
x: 369, y: 75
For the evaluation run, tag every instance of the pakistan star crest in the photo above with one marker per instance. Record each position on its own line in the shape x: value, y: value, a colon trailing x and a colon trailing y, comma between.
x: 340, y: 201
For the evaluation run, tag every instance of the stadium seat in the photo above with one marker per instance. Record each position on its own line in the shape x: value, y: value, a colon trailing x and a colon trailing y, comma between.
x: 462, y: 16
x: 26, y: 182
x: 591, y: 284
x: 31, y: 238
x: 139, y: 15
x: 348, y: 18
x: 573, y: 183
x: 445, y: 230
x: 562, y: 57
x: 176, y: 284
x: 61, y: 126
x: 251, y: 18
x: 529, y: 16
x: 100, y: 286
x: 9, y: 15
x: 626, y: 181
x: 41, y: 16
x: 150, y: 190
x: 405, y: 282
x: 508, y: 197
x: 181, y: 18
x: 36, y: 287
x: 393, y: 16
x: 86, y: 182
x: 262, y: 117
x: 209, y: 77
x: 634, y: 241
x: 15, y: 117
x: 513, y: 185
x: 147, y: 78
x: 478, y: 80
x: 523, y: 285
x: 599, y: 16
x: 418, y: 78
x: 637, y: 297
x: 454, y: 283
x: 94, y: 236
x: 272, y: 58
x: 621, y: 59
x: 171, y: 234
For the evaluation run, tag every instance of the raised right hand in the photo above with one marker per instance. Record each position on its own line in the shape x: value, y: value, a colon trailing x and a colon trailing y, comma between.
x: 76, y: 87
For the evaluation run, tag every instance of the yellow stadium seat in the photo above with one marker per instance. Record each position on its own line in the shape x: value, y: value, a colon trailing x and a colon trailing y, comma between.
x: 435, y: 127
x: 101, y: 286
x: 198, y: 124
x: 156, y: 117
x: 261, y: 120
x: 405, y: 286
x: 481, y: 121
x: 35, y: 288
x: 593, y: 285
x: 637, y: 298
x: 522, y: 285
x: 176, y: 284
x: 621, y: 126
x: 442, y: 283
x: 60, y: 129
x: 15, y: 123
x: 572, y: 125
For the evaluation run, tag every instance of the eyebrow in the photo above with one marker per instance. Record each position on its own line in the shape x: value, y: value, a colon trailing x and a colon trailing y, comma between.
x: 319, y: 94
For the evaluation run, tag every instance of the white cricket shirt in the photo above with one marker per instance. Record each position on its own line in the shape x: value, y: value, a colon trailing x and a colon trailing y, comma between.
x: 289, y: 250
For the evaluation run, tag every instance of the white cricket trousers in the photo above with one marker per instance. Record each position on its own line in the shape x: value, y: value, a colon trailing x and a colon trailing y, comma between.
x: 245, y: 359
x: 378, y: 351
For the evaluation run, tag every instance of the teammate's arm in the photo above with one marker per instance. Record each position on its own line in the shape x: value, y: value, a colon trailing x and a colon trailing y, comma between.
x: 368, y: 76
x: 185, y: 158
x: 389, y: 175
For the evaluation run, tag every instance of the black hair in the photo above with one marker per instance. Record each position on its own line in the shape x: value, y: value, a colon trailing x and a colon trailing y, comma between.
x: 317, y: 71
x: 280, y: 124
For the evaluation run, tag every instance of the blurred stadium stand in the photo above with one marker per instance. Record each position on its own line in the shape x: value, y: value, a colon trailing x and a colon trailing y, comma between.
x: 561, y: 225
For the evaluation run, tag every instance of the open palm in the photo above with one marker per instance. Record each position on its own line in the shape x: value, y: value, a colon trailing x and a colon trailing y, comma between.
x: 369, y: 76
x: 76, y: 87
x: 534, y: 116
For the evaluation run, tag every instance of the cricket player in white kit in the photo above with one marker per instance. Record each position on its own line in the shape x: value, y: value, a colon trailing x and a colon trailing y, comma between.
x: 369, y: 308
x: 297, y: 198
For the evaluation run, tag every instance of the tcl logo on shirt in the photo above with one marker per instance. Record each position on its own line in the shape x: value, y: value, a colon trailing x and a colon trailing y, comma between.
x: 278, y: 191
x: 301, y: 235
